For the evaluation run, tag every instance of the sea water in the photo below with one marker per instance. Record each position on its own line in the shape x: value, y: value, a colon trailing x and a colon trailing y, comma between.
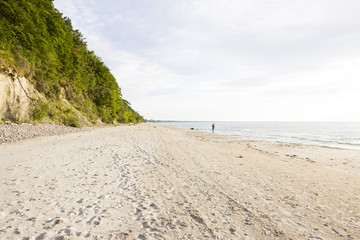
x: 344, y: 135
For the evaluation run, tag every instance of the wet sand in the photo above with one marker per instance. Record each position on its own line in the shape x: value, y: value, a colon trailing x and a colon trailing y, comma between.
x: 156, y: 182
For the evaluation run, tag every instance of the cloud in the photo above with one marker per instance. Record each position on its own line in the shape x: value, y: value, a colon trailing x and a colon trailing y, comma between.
x: 182, y: 58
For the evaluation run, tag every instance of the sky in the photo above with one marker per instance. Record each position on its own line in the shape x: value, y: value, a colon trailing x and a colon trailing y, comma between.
x: 228, y: 60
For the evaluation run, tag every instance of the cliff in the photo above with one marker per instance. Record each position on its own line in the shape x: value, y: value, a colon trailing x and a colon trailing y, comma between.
x: 16, y: 97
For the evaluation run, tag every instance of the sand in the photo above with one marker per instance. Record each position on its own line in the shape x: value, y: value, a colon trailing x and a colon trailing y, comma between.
x: 156, y: 182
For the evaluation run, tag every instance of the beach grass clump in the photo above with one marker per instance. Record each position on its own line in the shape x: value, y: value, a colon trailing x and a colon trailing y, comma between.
x: 56, y: 112
x: 66, y: 114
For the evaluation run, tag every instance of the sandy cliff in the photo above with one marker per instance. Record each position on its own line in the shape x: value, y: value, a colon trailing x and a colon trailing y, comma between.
x: 16, y: 96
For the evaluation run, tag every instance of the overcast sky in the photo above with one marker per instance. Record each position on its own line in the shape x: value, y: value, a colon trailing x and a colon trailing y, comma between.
x: 235, y: 60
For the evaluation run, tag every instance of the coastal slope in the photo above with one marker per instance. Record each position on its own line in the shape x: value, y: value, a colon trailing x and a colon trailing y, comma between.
x: 48, y: 74
x: 154, y: 182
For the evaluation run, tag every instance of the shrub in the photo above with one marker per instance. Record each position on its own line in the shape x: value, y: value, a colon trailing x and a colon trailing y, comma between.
x: 40, y: 110
x: 71, y: 121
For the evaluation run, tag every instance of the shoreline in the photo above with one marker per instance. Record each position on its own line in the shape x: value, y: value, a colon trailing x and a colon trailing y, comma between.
x: 342, y: 135
x: 157, y: 182
x: 15, y: 132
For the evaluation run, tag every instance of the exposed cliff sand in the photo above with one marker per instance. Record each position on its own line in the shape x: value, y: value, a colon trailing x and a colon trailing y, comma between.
x: 16, y: 96
x: 152, y: 182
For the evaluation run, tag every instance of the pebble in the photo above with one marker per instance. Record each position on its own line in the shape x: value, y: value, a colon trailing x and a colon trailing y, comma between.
x: 13, y: 132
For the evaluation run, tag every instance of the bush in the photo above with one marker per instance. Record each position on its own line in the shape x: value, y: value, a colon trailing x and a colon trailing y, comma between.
x: 71, y: 121
x: 40, y: 110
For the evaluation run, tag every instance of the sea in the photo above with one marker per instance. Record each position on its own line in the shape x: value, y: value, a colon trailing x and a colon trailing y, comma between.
x: 345, y: 135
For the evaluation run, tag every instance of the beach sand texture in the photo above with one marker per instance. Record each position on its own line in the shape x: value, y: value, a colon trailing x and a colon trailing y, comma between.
x: 156, y: 182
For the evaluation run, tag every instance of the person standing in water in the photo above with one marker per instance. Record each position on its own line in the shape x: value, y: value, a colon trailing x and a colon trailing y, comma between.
x: 213, y: 127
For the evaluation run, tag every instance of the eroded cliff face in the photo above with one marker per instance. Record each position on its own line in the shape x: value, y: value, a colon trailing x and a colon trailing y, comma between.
x: 17, y: 96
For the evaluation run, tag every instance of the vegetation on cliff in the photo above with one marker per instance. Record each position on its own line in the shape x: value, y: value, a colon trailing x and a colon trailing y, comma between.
x: 39, y: 43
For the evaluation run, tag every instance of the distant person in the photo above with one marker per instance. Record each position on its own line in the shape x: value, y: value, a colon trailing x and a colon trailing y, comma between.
x: 213, y: 127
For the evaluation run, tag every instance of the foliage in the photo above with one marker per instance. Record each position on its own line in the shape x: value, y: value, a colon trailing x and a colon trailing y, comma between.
x: 71, y: 121
x: 41, y: 44
x: 40, y: 110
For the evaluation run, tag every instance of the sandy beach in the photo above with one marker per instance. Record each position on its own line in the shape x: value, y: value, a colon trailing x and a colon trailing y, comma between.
x: 154, y: 182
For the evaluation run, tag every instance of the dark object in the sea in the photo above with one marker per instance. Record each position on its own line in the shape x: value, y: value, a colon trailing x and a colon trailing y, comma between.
x: 192, y: 128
